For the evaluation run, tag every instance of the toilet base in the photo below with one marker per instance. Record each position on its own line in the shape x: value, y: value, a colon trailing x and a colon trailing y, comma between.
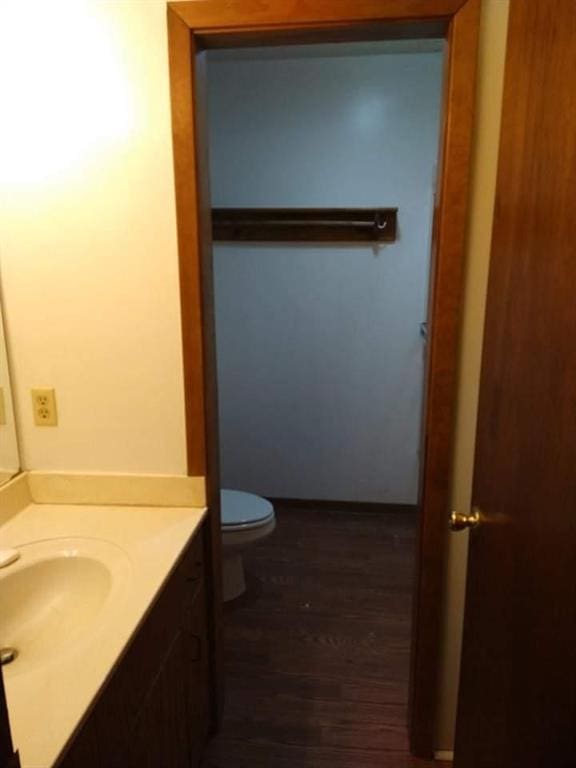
x: 233, y: 581
x: 235, y: 542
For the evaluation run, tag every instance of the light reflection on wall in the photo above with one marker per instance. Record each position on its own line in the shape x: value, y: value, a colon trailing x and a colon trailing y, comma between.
x: 64, y: 90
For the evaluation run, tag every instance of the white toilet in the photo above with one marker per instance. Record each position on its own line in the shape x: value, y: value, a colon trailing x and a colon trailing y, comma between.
x: 246, y: 519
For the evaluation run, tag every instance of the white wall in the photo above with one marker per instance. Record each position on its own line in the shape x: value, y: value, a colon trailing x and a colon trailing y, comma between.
x: 88, y: 233
x: 9, y: 458
x: 319, y: 352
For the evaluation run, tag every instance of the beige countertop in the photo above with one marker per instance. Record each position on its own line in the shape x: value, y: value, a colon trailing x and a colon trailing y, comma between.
x: 49, y: 693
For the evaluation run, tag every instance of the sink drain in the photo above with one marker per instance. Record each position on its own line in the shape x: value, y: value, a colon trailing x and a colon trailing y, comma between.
x: 7, y: 655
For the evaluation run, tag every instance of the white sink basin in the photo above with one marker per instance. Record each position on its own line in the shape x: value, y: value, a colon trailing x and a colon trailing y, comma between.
x: 56, y: 596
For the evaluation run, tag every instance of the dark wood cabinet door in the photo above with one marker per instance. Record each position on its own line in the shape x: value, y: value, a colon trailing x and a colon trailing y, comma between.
x: 198, y: 678
x: 161, y: 735
x: 517, y: 705
x: 7, y: 757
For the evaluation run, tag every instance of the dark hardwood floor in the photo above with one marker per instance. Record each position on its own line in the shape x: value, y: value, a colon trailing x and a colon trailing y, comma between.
x: 318, y: 648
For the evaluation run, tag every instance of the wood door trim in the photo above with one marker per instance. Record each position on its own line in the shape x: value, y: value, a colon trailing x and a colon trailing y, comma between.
x: 184, y: 141
x: 450, y: 219
x: 194, y: 248
x: 207, y: 15
x: 193, y: 26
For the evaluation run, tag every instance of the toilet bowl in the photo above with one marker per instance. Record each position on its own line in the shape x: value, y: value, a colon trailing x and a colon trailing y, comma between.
x: 246, y: 520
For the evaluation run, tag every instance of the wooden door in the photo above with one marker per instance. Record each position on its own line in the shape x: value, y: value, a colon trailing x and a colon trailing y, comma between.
x: 517, y: 703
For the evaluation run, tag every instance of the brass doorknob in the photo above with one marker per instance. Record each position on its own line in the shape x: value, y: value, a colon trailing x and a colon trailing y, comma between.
x: 458, y: 521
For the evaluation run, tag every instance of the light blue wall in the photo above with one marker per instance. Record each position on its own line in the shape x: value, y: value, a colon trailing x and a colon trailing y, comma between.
x: 320, y: 360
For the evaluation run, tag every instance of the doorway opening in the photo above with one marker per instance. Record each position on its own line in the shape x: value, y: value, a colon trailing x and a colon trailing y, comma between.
x: 195, y: 27
x: 321, y: 355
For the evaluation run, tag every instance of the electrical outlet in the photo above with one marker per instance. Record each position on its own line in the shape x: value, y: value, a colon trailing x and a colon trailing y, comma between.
x: 44, y: 407
x: 2, y: 408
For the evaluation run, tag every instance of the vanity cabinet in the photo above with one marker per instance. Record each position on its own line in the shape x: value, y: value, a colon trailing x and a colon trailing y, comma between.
x: 8, y: 759
x: 154, y: 708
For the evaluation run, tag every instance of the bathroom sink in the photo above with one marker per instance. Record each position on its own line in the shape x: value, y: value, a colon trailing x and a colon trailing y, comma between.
x: 55, y: 597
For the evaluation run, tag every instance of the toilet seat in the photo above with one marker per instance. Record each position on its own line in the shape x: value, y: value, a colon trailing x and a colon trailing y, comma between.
x: 244, y: 511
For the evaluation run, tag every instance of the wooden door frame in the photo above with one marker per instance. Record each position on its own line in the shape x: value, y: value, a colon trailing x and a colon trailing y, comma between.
x: 197, y: 25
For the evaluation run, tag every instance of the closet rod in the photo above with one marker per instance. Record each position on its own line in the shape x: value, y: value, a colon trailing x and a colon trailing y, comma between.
x: 364, y: 225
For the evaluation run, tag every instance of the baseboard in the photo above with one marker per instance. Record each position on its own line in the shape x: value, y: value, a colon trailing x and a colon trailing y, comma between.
x: 375, y: 507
